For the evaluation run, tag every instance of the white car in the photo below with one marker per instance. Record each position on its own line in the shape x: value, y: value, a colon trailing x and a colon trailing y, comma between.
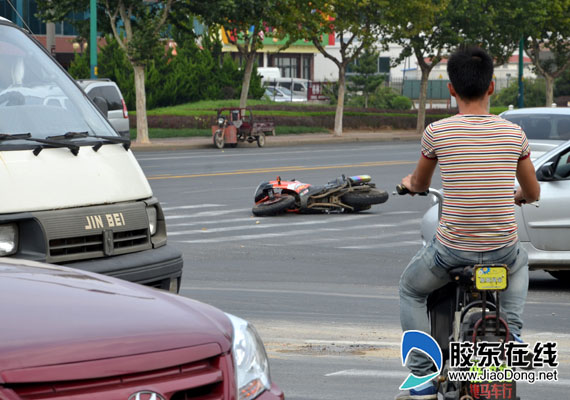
x: 545, y: 127
x: 544, y: 228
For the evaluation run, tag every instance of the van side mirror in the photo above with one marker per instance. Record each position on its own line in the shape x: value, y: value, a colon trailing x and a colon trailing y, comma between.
x: 546, y: 172
x: 101, y: 103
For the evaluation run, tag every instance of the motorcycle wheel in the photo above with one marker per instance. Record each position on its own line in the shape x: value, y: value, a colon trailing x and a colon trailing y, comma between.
x: 219, y: 139
x: 273, y: 206
x: 361, y: 199
x: 261, y: 139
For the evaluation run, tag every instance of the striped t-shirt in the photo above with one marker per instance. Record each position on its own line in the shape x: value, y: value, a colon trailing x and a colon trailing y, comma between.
x: 478, y: 156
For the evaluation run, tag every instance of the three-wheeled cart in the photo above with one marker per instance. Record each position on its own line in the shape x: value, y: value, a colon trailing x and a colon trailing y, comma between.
x: 237, y: 125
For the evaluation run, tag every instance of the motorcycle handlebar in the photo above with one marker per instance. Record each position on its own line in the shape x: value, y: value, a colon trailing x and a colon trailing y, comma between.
x: 402, y: 190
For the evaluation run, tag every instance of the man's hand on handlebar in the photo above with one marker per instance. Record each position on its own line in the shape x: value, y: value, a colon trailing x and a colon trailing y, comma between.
x: 407, y: 184
x: 520, y: 199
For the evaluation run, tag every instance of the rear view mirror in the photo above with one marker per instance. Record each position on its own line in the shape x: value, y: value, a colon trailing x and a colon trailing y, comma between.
x: 101, y: 103
x: 546, y: 172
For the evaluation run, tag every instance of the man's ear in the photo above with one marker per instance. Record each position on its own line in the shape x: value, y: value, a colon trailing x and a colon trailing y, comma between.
x: 491, y: 89
x: 451, y: 89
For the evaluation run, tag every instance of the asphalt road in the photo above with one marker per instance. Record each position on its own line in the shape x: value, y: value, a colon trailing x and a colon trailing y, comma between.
x: 321, y: 289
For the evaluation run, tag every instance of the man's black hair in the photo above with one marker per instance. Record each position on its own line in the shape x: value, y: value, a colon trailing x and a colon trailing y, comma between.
x: 470, y: 71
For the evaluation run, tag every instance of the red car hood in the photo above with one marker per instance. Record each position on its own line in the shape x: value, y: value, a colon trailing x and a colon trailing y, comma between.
x: 53, y: 315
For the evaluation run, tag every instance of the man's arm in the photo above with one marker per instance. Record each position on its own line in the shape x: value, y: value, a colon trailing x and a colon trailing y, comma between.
x: 420, y: 179
x: 529, y: 190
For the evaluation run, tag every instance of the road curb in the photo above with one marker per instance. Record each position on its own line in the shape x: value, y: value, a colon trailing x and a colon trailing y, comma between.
x: 277, y: 141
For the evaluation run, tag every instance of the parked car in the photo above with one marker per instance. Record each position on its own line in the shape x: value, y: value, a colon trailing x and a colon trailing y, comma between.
x: 282, y: 94
x: 545, y: 127
x: 299, y: 87
x: 68, y: 334
x: 544, y: 231
x: 117, y: 112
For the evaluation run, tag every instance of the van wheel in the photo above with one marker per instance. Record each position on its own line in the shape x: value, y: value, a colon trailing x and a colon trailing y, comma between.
x: 261, y: 139
x: 219, y: 139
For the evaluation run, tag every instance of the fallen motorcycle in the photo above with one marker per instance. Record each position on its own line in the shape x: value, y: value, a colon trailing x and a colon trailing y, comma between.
x: 344, y: 194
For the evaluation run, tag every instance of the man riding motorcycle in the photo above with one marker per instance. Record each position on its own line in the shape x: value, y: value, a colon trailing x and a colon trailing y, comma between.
x: 479, y: 155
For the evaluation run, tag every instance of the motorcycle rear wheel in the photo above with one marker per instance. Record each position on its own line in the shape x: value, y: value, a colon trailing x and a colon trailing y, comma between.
x: 361, y: 199
x: 273, y: 206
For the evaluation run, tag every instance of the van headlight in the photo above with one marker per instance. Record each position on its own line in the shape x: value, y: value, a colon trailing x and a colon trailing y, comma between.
x: 250, y: 360
x: 151, y: 214
x: 8, y: 239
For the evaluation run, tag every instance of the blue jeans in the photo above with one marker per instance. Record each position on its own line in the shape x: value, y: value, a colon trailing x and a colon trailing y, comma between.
x: 428, y: 271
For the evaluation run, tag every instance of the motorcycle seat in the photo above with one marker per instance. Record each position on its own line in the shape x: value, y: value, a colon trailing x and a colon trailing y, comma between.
x: 315, y: 190
x: 461, y: 274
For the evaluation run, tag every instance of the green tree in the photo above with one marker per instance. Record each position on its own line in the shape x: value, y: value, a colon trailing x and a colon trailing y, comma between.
x: 356, y: 25
x: 136, y: 25
x: 245, y: 23
x: 430, y: 29
x: 562, y: 84
x: 534, y: 94
x: 366, y: 78
x: 80, y: 68
x: 547, y: 31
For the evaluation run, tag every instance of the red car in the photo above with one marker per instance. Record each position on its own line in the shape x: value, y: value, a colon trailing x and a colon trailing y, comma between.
x: 69, y: 334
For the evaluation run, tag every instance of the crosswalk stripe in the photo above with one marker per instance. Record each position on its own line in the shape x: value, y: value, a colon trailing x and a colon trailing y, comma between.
x: 211, y: 222
x: 192, y: 206
x: 265, y: 226
x: 295, y: 232
x: 207, y: 213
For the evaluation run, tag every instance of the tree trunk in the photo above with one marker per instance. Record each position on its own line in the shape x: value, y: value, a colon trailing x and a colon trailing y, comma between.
x: 250, y: 60
x: 421, y: 122
x: 549, y: 89
x: 340, y: 102
x: 142, y: 124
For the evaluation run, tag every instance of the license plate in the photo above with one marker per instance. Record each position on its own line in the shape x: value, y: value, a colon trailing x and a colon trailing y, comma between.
x: 492, y: 391
x: 491, y: 277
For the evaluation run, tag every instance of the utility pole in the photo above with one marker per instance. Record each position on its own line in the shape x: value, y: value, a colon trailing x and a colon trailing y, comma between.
x: 520, y: 103
x: 93, y: 37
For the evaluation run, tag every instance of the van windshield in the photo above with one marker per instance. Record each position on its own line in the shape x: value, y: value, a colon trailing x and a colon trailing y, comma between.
x: 37, y: 97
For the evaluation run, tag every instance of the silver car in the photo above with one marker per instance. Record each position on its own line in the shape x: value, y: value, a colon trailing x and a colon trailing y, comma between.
x: 545, y: 127
x: 107, y: 90
x: 544, y: 228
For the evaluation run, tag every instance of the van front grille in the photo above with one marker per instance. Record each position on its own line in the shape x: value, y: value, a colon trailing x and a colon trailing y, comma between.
x: 73, y: 248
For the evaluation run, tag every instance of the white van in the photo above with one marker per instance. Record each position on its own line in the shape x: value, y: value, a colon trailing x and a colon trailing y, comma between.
x: 72, y: 191
x: 269, y: 73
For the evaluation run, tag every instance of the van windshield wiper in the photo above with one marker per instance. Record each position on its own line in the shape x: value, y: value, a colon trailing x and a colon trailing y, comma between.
x: 15, y: 136
x: 47, y: 141
x: 80, y: 135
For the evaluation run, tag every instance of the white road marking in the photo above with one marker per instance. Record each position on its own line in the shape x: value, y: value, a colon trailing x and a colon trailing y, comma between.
x: 296, y: 232
x: 193, y: 206
x: 372, y: 373
x: 384, y: 245
x: 208, y: 213
x: 263, y: 226
x: 293, y: 292
x: 213, y: 222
